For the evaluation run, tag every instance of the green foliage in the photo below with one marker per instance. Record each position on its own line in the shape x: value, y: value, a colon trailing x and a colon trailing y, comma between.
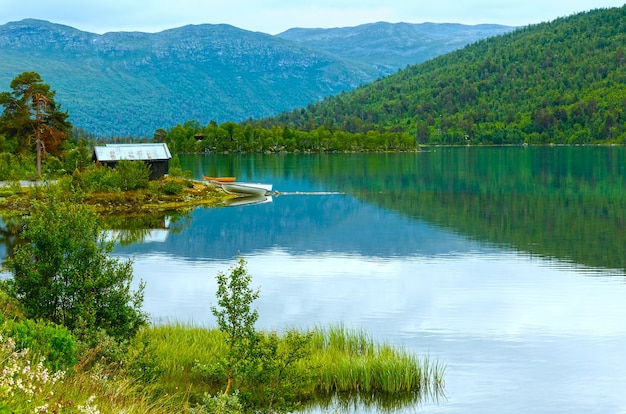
x: 260, y: 137
x: 235, y: 317
x: 16, y: 167
x: 283, y: 374
x: 31, y: 108
x: 172, y: 186
x: 99, y: 178
x: 10, y: 308
x: 44, y: 339
x: 220, y: 404
x: 287, y: 371
x: 139, y: 361
x: 557, y: 82
x: 133, y: 175
x: 125, y: 176
x: 52, y: 166
x: 64, y: 274
x: 25, y: 384
x: 78, y: 158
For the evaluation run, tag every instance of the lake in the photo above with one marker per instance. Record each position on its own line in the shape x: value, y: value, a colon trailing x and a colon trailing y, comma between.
x: 505, y: 264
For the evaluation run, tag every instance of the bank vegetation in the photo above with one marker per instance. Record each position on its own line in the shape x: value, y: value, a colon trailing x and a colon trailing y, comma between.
x: 74, y: 339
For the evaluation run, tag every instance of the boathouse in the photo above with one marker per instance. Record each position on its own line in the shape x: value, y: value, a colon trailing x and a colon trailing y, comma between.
x: 157, y: 156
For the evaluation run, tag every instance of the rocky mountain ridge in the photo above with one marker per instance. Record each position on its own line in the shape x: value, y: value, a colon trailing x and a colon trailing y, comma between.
x: 132, y: 83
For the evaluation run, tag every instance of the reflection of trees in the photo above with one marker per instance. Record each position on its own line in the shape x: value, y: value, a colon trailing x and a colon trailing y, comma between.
x: 127, y: 230
x: 10, y: 228
x: 563, y: 202
x: 566, y: 203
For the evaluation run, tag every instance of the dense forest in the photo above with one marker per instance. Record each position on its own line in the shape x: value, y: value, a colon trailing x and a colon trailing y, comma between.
x: 558, y: 82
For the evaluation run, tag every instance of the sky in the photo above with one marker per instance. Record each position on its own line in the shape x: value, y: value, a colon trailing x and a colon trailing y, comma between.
x: 276, y: 16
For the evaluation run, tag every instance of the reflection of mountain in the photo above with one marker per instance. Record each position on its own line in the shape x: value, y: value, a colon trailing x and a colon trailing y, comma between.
x: 304, y: 224
x: 562, y: 202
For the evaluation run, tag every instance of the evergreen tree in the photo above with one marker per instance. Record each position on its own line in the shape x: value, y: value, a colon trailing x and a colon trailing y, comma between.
x: 31, y: 116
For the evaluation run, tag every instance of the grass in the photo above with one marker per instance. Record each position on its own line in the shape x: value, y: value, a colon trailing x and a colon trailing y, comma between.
x: 159, y: 374
x: 15, y: 200
x: 351, y: 362
x: 339, y: 361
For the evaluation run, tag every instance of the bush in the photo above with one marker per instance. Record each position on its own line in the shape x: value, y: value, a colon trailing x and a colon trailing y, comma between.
x: 172, y: 187
x: 14, y: 167
x: 53, y: 342
x: 53, y: 166
x: 25, y: 384
x: 125, y: 176
x: 78, y: 158
x: 100, y: 178
x: 221, y: 403
x: 64, y: 274
x: 133, y: 175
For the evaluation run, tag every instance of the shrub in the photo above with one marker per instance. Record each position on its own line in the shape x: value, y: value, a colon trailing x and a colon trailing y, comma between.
x: 14, y: 167
x: 24, y: 386
x: 28, y: 386
x: 236, y: 318
x: 53, y: 166
x: 133, y: 175
x: 100, y: 178
x: 64, y: 274
x: 47, y: 340
x: 220, y: 404
x: 172, y: 186
x: 78, y: 158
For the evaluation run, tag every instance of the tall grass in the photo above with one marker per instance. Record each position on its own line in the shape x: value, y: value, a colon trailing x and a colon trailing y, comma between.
x: 339, y: 362
x: 338, y: 368
x: 350, y: 361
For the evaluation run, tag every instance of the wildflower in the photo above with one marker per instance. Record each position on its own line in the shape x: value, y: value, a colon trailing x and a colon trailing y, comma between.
x: 88, y: 408
x: 42, y: 409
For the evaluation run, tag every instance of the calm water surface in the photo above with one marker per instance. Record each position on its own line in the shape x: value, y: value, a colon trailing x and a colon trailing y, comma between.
x: 505, y: 264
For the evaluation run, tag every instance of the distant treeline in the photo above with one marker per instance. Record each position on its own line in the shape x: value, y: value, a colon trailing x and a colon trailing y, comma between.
x: 234, y: 137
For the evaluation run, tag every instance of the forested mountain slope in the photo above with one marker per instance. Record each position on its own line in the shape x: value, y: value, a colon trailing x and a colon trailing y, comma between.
x: 561, y: 82
x: 132, y: 83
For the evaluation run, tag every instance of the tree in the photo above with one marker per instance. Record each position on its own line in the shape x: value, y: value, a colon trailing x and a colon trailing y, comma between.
x: 31, y: 116
x: 63, y: 273
x: 235, y: 317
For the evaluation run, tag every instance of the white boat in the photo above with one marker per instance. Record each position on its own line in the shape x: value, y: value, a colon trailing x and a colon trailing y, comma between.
x: 250, y: 189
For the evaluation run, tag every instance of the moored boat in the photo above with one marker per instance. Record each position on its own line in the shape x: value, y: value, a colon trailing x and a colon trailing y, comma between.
x: 241, y: 188
x: 219, y: 179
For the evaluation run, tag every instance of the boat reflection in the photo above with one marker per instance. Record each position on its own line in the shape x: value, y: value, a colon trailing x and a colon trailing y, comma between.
x: 248, y: 200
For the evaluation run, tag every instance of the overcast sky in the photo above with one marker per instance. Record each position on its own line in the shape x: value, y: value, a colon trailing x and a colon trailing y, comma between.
x: 275, y: 16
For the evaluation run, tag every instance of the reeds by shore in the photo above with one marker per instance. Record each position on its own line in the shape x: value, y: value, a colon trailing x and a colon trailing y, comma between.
x: 339, y: 362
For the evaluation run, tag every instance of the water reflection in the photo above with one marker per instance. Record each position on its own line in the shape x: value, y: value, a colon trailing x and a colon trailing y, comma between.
x: 559, y: 202
x: 515, y: 332
x: 508, y: 266
x: 305, y: 225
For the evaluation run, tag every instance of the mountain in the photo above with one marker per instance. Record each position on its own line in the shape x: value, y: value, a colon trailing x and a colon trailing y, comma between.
x: 557, y: 82
x: 132, y: 83
x: 393, y: 46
